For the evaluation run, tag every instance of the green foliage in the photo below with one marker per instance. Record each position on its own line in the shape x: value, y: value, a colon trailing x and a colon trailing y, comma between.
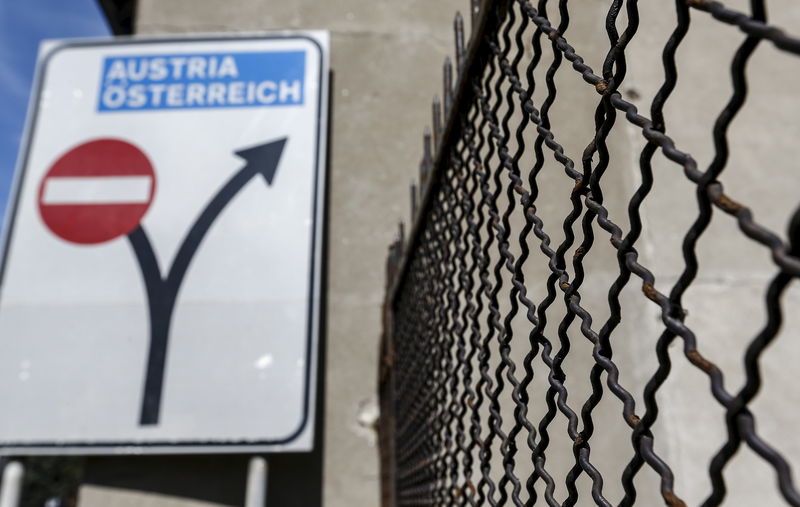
x: 52, y: 477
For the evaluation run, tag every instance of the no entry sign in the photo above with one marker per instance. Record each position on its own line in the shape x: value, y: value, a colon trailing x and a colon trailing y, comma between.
x: 159, y: 289
x: 97, y: 191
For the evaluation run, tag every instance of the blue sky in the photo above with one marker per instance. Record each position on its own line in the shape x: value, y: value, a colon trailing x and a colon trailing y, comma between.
x: 23, y: 23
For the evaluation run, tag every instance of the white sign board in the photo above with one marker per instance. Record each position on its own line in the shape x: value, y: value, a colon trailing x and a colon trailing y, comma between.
x: 161, y: 267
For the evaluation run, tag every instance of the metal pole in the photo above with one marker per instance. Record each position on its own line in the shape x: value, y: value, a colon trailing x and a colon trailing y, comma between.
x: 256, y: 494
x: 11, y: 487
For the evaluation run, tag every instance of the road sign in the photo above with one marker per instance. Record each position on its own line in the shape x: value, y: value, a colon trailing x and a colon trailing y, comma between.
x: 159, y: 289
x: 97, y: 191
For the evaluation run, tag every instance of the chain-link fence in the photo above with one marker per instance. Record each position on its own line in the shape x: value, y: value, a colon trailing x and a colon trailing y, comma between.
x: 496, y: 287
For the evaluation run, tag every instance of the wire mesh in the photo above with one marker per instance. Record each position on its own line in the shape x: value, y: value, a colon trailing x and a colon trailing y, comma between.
x: 486, y: 298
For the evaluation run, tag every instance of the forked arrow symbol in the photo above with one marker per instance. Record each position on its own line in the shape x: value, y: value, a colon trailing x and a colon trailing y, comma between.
x: 162, y: 291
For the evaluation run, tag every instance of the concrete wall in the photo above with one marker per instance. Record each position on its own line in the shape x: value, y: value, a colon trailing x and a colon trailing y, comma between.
x: 726, y: 301
x: 386, y: 59
x: 387, y: 56
x: 725, y: 305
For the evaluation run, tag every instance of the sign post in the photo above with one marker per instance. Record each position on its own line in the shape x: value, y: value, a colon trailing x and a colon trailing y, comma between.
x: 160, y: 277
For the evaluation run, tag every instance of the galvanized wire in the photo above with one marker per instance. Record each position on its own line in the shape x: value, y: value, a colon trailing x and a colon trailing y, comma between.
x: 455, y: 404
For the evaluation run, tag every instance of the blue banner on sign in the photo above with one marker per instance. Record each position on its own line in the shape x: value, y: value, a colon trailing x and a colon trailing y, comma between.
x: 211, y: 80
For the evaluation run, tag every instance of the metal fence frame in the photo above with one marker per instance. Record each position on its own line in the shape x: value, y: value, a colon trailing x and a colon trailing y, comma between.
x: 411, y: 477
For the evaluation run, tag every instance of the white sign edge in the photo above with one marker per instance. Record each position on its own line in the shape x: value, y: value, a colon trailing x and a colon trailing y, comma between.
x: 321, y: 39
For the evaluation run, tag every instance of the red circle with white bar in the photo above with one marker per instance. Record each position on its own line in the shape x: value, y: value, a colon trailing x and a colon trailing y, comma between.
x: 97, y: 191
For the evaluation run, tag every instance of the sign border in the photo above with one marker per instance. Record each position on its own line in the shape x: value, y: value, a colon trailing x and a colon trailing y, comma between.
x: 317, y: 235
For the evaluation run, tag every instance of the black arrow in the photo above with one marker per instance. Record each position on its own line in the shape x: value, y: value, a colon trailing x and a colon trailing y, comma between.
x: 162, y: 292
